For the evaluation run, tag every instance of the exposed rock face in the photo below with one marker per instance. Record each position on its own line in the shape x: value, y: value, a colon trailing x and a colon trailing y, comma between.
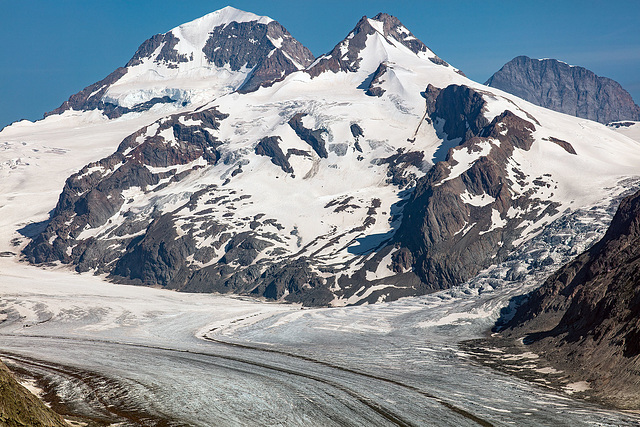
x: 348, y: 208
x: 568, y: 89
x: 313, y: 137
x: 268, y: 146
x: 461, y: 109
x: 250, y: 45
x: 20, y: 408
x: 257, y: 46
x: 90, y: 98
x: 168, y: 53
x: 376, y: 79
x: 586, y: 316
x: 454, y: 225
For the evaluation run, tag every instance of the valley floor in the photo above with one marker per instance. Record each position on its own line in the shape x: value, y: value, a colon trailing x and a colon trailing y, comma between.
x: 143, y: 356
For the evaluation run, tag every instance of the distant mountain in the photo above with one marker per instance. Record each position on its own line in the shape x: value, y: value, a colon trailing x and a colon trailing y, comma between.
x: 586, y: 317
x: 19, y: 407
x: 224, y: 51
x: 565, y: 88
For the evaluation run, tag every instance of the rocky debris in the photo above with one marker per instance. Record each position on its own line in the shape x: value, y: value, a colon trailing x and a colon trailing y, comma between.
x: 313, y: 137
x: 568, y: 89
x: 269, y: 146
x: 345, y: 56
x: 376, y: 79
x: 19, y: 407
x: 268, y: 49
x: 458, y: 238
x: 585, y: 318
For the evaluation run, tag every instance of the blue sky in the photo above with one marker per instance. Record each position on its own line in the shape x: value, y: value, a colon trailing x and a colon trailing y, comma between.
x: 52, y: 49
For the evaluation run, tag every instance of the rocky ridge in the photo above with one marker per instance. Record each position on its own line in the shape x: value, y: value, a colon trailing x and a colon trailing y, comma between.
x: 584, y: 318
x: 345, y: 56
x: 565, y: 88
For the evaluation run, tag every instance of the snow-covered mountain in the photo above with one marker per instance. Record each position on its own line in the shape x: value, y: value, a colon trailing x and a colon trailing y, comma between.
x: 313, y: 182
x: 222, y: 52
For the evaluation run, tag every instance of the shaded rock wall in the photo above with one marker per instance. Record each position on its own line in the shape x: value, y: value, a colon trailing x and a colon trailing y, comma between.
x: 586, y: 317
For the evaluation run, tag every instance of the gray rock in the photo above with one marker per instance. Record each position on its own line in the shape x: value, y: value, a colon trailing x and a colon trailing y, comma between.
x: 376, y: 79
x: 268, y: 146
x: 393, y: 30
x: 227, y: 44
x: 433, y: 236
x: 167, y: 55
x: 90, y: 199
x: 586, y: 314
x: 568, y: 89
x: 313, y: 137
x: 232, y: 44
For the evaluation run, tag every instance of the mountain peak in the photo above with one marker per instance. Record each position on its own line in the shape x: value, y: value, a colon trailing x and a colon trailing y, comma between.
x: 227, y: 15
x: 224, y: 51
x: 391, y: 34
x: 566, y: 88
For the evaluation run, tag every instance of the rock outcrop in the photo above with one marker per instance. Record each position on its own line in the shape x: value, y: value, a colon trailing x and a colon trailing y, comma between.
x: 568, y: 89
x: 316, y: 189
x: 268, y: 49
x: 20, y: 408
x: 456, y: 224
x: 585, y: 318
x: 96, y: 193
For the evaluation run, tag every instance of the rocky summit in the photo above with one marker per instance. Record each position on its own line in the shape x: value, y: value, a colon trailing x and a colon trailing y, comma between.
x: 235, y: 162
x: 566, y: 88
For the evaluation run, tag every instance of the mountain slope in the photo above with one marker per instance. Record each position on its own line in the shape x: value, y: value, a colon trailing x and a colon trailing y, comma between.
x: 19, y: 407
x: 565, y: 88
x: 321, y: 188
x: 221, y: 52
x: 587, y: 314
